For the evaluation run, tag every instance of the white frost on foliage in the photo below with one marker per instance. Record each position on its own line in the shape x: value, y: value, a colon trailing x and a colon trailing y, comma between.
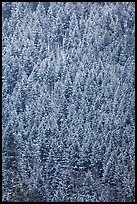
x: 68, y: 104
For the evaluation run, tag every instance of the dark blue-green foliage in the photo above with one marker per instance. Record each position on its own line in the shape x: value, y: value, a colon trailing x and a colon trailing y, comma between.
x: 68, y: 115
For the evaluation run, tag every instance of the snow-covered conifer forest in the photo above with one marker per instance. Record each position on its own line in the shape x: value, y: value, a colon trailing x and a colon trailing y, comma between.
x: 68, y: 97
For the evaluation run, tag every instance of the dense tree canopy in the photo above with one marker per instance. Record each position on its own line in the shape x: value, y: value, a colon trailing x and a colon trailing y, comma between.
x: 68, y: 90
